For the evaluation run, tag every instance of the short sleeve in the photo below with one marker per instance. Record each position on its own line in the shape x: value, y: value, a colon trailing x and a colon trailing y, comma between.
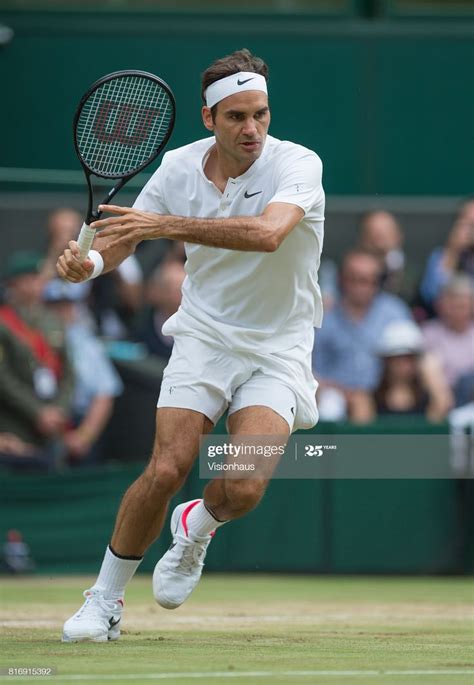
x: 152, y: 196
x: 299, y: 182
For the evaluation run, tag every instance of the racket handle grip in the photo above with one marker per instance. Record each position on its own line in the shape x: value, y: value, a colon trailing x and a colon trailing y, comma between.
x: 85, y: 240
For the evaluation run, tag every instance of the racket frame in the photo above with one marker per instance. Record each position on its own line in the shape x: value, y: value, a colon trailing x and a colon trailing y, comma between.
x: 87, y: 234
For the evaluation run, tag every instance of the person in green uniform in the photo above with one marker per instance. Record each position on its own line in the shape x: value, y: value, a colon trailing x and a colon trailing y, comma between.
x: 36, y: 378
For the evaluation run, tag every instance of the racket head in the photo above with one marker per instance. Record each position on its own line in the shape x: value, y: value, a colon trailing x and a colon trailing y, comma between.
x: 122, y: 123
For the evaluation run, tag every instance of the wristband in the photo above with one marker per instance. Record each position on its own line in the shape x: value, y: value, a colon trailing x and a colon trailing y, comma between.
x: 98, y: 261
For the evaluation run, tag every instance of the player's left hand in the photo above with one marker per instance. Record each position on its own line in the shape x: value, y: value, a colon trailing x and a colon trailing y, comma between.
x: 128, y: 225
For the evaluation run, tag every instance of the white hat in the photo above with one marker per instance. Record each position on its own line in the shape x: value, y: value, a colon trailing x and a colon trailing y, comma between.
x: 400, y: 337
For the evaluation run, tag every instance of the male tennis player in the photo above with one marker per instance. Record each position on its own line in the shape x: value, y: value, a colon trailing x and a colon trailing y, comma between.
x: 250, y: 209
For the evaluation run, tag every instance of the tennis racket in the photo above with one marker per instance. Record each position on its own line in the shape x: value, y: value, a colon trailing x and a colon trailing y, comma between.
x: 121, y: 125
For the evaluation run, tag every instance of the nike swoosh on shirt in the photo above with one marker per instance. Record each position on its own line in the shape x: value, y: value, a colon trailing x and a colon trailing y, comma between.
x: 247, y: 195
x: 241, y: 83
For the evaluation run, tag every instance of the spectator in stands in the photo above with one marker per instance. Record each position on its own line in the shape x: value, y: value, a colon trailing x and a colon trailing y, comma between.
x: 62, y: 226
x: 450, y: 336
x: 16, y: 557
x: 12, y: 444
x: 97, y: 383
x: 381, y: 234
x: 35, y: 375
x: 18, y: 455
x: 163, y: 294
x: 412, y: 383
x: 114, y: 299
x: 345, y: 358
x: 456, y: 256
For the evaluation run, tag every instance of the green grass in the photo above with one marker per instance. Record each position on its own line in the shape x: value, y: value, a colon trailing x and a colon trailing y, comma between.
x: 273, y: 624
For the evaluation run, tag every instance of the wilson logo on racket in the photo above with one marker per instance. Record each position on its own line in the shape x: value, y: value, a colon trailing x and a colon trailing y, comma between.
x: 119, y: 128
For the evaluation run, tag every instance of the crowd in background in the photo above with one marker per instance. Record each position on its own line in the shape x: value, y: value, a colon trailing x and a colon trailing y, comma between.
x: 393, y: 342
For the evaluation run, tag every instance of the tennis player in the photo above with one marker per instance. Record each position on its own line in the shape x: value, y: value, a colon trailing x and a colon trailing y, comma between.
x: 250, y: 209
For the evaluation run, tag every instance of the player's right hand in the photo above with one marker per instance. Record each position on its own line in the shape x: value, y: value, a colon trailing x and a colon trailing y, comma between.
x: 69, y: 266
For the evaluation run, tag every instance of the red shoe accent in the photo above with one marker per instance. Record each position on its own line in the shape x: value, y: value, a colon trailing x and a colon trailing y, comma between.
x: 120, y: 601
x: 185, y: 514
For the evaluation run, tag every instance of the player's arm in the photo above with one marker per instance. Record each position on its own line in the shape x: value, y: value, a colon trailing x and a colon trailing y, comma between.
x: 263, y: 233
x: 72, y: 269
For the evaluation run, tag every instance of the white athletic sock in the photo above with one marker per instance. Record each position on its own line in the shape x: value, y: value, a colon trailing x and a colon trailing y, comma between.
x: 114, y: 574
x: 201, y: 522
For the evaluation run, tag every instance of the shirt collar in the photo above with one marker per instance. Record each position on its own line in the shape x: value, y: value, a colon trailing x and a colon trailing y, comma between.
x: 247, y: 174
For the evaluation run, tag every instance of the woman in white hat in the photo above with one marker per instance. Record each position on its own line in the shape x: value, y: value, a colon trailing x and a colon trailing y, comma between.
x: 412, y: 382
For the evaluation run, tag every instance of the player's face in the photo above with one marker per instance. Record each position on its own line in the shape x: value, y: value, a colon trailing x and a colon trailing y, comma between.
x: 240, y: 126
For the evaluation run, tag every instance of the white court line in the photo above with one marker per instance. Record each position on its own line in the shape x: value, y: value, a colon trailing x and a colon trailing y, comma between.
x: 235, y: 674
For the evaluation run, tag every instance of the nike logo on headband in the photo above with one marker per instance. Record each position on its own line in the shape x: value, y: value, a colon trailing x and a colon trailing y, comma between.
x: 241, y: 83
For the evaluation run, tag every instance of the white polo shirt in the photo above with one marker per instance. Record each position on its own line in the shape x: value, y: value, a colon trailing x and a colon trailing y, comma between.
x: 251, y: 301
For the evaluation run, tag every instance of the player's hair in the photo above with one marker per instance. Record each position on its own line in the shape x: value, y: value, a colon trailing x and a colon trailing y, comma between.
x: 240, y: 60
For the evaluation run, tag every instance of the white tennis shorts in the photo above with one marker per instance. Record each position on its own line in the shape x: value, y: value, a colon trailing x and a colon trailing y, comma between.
x: 210, y: 378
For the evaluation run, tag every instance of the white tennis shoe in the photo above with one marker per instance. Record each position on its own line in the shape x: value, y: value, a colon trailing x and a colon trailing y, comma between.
x: 97, y: 620
x: 178, y: 571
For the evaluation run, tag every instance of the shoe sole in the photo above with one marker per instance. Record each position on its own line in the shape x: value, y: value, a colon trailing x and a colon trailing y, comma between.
x: 112, y: 636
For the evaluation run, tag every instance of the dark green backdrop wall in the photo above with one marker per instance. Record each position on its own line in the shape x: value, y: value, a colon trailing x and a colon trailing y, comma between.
x: 337, y: 526
x: 389, y: 107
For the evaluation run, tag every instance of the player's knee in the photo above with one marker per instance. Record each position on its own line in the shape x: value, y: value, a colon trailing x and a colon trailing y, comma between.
x: 244, y: 495
x: 165, y: 477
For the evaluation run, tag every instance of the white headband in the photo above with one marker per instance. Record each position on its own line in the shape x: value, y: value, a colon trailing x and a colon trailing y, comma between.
x: 235, y: 83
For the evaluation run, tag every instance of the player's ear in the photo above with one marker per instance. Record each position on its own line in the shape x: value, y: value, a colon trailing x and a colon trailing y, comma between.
x: 207, y: 118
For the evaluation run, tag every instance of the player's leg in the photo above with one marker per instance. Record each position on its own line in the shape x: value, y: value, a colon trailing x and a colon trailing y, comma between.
x: 144, y: 505
x: 194, y: 523
x: 139, y: 522
x: 230, y: 498
x: 270, y: 395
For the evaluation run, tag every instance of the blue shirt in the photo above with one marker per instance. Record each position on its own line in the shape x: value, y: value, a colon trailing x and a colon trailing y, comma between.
x: 435, y: 276
x: 345, y: 350
x: 95, y: 373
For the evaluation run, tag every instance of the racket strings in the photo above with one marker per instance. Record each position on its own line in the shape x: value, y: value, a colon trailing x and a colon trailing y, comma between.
x: 122, y: 124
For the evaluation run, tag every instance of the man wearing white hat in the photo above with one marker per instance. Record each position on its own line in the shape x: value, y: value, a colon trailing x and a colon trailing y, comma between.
x: 250, y: 209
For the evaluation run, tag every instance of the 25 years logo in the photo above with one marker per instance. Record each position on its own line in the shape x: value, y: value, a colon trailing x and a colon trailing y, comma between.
x: 313, y: 450
x: 317, y: 450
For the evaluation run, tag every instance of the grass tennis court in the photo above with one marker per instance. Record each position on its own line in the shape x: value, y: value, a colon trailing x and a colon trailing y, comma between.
x: 268, y: 629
